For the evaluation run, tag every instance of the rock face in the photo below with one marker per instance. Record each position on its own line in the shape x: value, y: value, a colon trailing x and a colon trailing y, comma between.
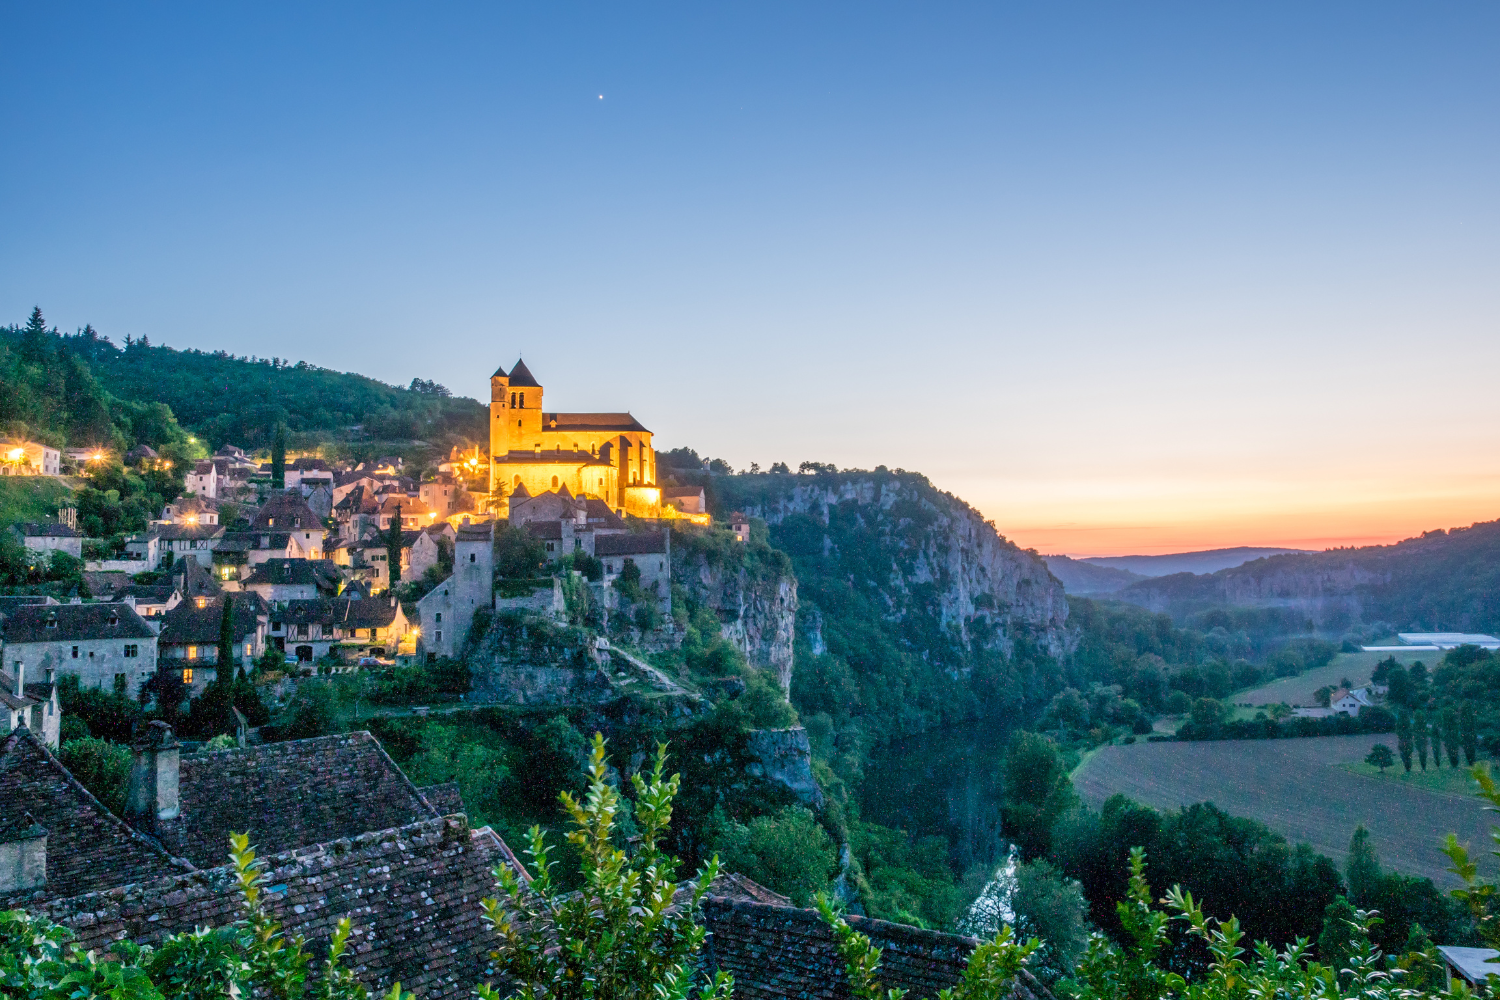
x: 785, y: 757
x: 943, y: 558
x: 754, y: 595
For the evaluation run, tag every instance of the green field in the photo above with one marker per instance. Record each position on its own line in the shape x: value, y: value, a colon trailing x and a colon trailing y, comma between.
x: 1298, y: 691
x: 30, y: 498
x: 1308, y: 790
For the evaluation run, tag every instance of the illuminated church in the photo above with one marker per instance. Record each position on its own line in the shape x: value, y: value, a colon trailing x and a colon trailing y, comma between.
x: 604, y: 455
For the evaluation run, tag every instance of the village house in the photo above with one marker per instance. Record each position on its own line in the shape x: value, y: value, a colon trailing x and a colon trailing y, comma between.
x: 103, y: 645
x: 414, y: 513
x: 688, y: 502
x: 740, y: 525
x: 191, y: 510
x: 47, y: 538
x: 564, y: 523
x: 280, y: 580
x: 203, y: 479
x: 651, y: 553
x: 150, y: 600
x: 29, y: 458
x: 144, y: 546
x: 288, y: 511
x: 189, y: 637
x: 181, y: 542
x: 32, y: 704
x: 346, y: 629
x: 444, y: 496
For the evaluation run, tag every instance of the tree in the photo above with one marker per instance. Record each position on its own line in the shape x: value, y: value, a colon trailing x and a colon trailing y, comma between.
x: 278, y: 458
x: 1452, y: 738
x: 223, y: 666
x: 1207, y: 712
x: 789, y: 852
x: 100, y: 766
x: 1336, y: 941
x: 1380, y: 756
x: 1419, y: 735
x: 1037, y: 791
x: 617, y: 938
x: 1050, y: 907
x: 393, y: 548
x: 1403, y: 740
x: 518, y: 553
x: 1362, y: 870
x: 1467, y: 734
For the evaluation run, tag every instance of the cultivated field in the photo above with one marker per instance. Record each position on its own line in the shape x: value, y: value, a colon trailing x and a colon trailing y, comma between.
x: 1298, y: 691
x: 1298, y: 788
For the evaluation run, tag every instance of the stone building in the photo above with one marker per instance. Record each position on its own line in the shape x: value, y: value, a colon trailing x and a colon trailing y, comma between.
x: 445, y: 614
x: 563, y: 522
x: 48, y: 538
x: 189, y: 637
x: 650, y: 552
x: 31, y: 703
x: 605, y: 455
x: 278, y: 580
x: 313, y: 629
x: 103, y: 645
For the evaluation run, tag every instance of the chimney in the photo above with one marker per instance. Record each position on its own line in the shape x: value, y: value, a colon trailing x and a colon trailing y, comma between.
x: 153, y: 777
x: 23, y: 855
x: 20, y: 691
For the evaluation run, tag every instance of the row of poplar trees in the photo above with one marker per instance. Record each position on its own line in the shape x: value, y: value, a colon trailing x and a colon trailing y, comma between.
x: 1433, y: 734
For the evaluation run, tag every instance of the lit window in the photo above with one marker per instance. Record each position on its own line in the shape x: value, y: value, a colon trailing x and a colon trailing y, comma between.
x: 247, y: 649
x: 202, y: 602
x: 192, y: 652
x: 187, y: 676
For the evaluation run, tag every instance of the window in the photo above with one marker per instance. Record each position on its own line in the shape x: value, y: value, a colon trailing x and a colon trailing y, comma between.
x: 296, y: 522
x: 554, y: 482
x: 202, y: 603
x: 132, y: 650
x: 523, y: 400
x: 247, y: 650
x: 270, y: 522
x: 512, y: 401
x: 439, y: 635
x: 438, y: 617
x: 75, y: 652
x: 187, y: 676
x: 549, y: 547
x: 471, y: 559
x: 192, y: 653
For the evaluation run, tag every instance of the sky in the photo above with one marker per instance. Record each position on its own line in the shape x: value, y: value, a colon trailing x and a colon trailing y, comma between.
x: 1128, y: 278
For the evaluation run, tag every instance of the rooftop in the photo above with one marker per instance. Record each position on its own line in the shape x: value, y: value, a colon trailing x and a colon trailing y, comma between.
x: 631, y: 545
x: 73, y: 623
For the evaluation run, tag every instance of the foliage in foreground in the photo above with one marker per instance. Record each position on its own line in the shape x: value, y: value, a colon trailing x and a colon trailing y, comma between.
x: 620, y: 936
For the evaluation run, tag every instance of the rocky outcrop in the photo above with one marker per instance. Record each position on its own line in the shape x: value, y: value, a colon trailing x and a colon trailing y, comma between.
x: 753, y: 591
x: 938, y: 556
x: 785, y: 757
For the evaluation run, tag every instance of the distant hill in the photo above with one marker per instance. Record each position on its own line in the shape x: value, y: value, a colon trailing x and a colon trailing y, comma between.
x: 1082, y: 578
x: 1207, y: 561
x: 1440, y: 581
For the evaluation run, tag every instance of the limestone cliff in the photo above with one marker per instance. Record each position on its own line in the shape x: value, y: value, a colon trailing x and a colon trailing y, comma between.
x: 930, y: 555
x: 751, y: 588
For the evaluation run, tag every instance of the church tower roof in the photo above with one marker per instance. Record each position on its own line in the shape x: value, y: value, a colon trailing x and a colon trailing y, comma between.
x: 521, y: 377
x: 499, y: 372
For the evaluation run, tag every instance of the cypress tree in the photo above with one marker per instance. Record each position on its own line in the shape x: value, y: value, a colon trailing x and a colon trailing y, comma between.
x: 1466, y: 733
x: 1451, y: 736
x: 1362, y: 870
x: 1403, y: 740
x: 223, y: 674
x: 1419, y: 733
x: 278, y: 458
x: 393, y: 548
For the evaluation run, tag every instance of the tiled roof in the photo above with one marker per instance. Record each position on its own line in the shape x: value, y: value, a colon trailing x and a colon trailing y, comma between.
x: 88, y: 847
x: 547, y: 531
x: 630, y: 545
x: 548, y: 456
x: 289, y: 512
x: 592, y: 421
x: 180, y: 532
x: 521, y: 377
x: 412, y: 893
x: 778, y: 951
x: 320, y: 572
x: 363, y: 613
x: 288, y: 795
x: 308, y: 465
x: 32, y: 530
x: 193, y: 579
x: 73, y: 623
x: 10, y: 603
x: 476, y: 532
x: 188, y: 623
x: 680, y: 492
x: 602, y: 515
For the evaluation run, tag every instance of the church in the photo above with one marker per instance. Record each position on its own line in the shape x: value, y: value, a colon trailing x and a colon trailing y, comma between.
x: 604, y: 455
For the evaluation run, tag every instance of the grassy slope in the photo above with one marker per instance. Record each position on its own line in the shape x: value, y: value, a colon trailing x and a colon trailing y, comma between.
x: 1298, y: 691
x: 30, y: 498
x: 1301, y: 789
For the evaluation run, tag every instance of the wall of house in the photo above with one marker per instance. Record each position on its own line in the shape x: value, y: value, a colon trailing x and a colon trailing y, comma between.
x: 94, y: 662
x: 47, y: 543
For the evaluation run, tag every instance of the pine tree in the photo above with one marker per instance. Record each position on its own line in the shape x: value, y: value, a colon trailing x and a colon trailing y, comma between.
x: 1403, y: 740
x: 1419, y: 733
x: 1466, y: 733
x: 393, y: 548
x: 1451, y: 738
x: 34, y: 347
x: 278, y: 458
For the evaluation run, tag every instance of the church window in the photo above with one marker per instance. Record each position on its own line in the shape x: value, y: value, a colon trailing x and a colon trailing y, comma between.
x: 523, y: 400
x: 554, y: 482
x: 512, y: 401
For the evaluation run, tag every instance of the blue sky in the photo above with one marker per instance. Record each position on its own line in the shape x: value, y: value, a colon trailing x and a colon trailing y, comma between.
x: 1126, y: 277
